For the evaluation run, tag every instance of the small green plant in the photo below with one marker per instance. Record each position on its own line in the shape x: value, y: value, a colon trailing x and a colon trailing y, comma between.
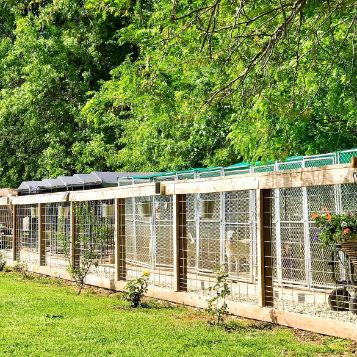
x: 217, y: 305
x: 79, y: 272
x: 3, y: 261
x: 135, y: 289
x: 22, y: 268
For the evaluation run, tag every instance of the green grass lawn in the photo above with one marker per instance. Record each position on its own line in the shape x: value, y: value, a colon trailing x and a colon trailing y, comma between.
x: 44, y: 317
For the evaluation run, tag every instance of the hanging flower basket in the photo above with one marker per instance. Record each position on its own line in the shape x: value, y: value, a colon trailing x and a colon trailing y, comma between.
x: 144, y: 209
x: 338, y: 229
x: 207, y: 208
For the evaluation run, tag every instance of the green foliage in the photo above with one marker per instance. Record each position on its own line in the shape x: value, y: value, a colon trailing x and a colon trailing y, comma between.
x: 162, y: 85
x: 217, y: 305
x: 336, y: 228
x: 135, y: 289
x: 22, y: 268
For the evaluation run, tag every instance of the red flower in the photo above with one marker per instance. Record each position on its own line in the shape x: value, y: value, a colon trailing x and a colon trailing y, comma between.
x: 346, y: 231
x: 315, y: 216
x: 328, y: 216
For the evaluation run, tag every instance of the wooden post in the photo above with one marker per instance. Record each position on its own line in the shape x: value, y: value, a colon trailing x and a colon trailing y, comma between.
x: 15, y: 243
x: 265, y: 261
x: 120, y: 266
x: 41, y: 234
x: 179, y: 242
x: 354, y: 162
x: 73, y: 231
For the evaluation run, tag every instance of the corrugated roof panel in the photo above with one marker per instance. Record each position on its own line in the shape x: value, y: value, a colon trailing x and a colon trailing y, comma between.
x: 54, y: 184
x: 107, y: 178
x: 31, y: 187
x: 88, y: 179
x: 70, y: 181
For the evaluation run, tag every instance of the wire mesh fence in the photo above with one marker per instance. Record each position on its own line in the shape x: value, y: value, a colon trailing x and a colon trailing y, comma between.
x: 57, y: 235
x: 307, y: 277
x: 27, y: 234
x: 6, y: 231
x: 221, y: 234
x: 149, y: 239
x: 190, y: 236
x: 94, y: 237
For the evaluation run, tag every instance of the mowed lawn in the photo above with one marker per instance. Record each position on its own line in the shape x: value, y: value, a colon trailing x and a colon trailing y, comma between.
x: 43, y: 317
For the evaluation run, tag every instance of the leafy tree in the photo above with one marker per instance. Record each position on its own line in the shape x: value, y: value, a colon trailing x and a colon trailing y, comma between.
x: 162, y: 85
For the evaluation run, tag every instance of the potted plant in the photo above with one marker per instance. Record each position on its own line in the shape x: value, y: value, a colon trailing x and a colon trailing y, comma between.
x: 338, y: 230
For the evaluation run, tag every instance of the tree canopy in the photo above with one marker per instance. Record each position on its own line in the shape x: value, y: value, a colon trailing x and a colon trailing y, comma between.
x: 166, y: 85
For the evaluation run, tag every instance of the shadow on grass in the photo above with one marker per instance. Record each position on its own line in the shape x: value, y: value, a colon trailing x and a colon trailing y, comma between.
x: 241, y: 325
x: 146, y: 305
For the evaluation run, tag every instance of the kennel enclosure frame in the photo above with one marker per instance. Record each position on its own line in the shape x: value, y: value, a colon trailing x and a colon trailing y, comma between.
x: 262, y: 183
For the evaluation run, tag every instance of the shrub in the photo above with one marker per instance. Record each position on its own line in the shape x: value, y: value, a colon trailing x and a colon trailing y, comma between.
x: 217, y: 305
x: 3, y: 261
x: 22, y: 268
x: 135, y: 289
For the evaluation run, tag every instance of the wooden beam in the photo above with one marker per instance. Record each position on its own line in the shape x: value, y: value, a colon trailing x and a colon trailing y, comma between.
x: 4, y: 201
x: 315, y: 176
x: 354, y: 162
x: 120, y: 248
x: 41, y: 234
x: 147, y: 189
x: 15, y: 240
x: 41, y: 198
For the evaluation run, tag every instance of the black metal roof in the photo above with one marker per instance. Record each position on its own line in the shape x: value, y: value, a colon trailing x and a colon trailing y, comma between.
x: 88, y: 179
x: 30, y: 187
x: 95, y: 179
x: 70, y: 181
x: 54, y: 184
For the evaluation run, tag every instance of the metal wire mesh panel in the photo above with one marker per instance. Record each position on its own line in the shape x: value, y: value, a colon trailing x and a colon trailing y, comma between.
x: 288, y: 236
x: 163, y: 229
x: 149, y: 239
x: 221, y: 233
x: 144, y: 230
x: 163, y: 241
x: 6, y: 234
x: 94, y: 237
x: 321, y: 198
x: 344, y: 157
x: 203, y: 215
x: 314, y: 279
x: 209, y: 231
x: 191, y: 232
x: 240, y: 244
x: 27, y: 234
x: 56, y: 230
